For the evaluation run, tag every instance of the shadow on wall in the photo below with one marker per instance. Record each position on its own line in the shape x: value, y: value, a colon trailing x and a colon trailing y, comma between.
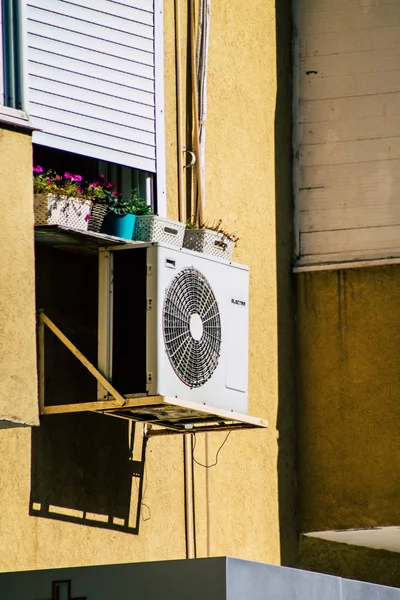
x: 88, y: 469
x: 352, y: 562
x: 286, y: 422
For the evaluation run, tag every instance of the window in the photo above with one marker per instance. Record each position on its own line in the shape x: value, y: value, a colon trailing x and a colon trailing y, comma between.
x: 125, y: 178
x: 11, y: 54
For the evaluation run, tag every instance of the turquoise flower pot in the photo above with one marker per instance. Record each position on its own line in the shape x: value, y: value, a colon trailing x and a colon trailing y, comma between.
x: 119, y: 226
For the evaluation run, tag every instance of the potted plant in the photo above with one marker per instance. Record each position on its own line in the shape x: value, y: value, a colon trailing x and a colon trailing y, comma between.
x: 103, y: 194
x: 210, y: 239
x: 121, y: 214
x: 60, y: 200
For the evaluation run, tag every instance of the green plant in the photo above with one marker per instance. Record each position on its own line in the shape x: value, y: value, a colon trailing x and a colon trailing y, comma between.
x: 125, y: 206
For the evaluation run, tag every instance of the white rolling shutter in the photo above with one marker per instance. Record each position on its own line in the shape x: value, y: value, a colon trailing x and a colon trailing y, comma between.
x: 91, y: 77
x: 347, y: 130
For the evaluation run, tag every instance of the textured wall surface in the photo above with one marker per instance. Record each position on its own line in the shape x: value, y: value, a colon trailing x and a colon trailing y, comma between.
x: 239, y: 502
x: 242, y: 512
x: 355, y: 562
x: 349, y: 385
x: 18, y: 387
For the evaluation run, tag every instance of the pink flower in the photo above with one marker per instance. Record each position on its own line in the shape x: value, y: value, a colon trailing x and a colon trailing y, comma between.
x: 38, y: 170
x: 68, y: 176
x: 79, y: 190
x: 58, y: 178
x: 94, y: 185
x: 115, y: 194
x: 87, y: 218
x: 49, y: 181
x: 101, y: 176
x: 77, y: 178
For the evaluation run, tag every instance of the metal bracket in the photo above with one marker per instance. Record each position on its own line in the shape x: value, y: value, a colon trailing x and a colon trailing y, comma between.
x: 168, y: 415
x: 44, y: 320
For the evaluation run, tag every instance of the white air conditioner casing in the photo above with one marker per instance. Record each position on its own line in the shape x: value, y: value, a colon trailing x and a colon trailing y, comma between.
x: 194, y: 306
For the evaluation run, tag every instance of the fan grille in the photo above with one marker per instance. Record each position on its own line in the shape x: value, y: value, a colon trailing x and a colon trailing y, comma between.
x: 192, y: 327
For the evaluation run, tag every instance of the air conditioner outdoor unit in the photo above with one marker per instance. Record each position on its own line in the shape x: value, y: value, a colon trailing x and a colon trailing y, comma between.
x: 174, y: 323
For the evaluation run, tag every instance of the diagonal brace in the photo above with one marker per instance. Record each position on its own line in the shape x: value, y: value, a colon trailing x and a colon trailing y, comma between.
x: 44, y: 320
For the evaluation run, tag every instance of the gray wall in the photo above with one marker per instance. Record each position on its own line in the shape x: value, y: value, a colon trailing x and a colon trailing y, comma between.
x: 211, y: 579
x: 257, y: 581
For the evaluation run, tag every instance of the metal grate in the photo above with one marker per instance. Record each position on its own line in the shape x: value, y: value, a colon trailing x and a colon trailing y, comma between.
x: 192, y: 327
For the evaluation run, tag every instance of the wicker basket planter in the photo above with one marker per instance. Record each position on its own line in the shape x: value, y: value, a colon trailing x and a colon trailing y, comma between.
x: 97, y: 215
x: 209, y: 242
x: 151, y: 228
x: 60, y: 210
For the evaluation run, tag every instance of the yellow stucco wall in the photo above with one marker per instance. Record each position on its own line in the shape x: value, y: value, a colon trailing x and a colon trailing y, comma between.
x: 349, y: 387
x: 18, y: 389
x: 244, y: 508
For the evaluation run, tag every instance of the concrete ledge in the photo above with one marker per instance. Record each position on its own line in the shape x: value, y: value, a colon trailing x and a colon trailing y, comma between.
x: 213, y: 578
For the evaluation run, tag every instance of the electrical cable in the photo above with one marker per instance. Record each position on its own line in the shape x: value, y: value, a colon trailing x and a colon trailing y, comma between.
x: 216, y: 456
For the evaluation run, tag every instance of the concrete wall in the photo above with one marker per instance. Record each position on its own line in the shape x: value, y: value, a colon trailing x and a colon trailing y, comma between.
x: 241, y: 501
x: 349, y: 411
x: 215, y: 579
x: 18, y: 389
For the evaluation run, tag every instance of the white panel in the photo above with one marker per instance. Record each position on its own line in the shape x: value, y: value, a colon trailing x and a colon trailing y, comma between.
x: 92, y: 79
x: 128, y: 10
x: 126, y: 159
x: 126, y: 21
x: 215, y: 392
x: 90, y: 110
x: 99, y: 99
x: 88, y: 82
x: 124, y: 64
x: 236, y: 337
x: 347, y: 130
x: 79, y: 38
x: 87, y: 124
x: 77, y: 66
x: 352, y: 242
x: 96, y: 138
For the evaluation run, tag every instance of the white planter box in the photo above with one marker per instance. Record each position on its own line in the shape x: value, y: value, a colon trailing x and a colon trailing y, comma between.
x: 209, y: 242
x: 151, y: 228
x: 60, y: 210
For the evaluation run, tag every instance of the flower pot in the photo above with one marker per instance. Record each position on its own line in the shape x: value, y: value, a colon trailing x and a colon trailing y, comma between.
x: 120, y: 226
x: 50, y: 209
x: 209, y: 242
x: 151, y: 228
x: 97, y: 216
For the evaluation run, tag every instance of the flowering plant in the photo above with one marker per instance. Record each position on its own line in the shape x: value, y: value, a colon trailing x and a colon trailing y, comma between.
x: 48, y: 182
x: 73, y: 186
x: 99, y: 191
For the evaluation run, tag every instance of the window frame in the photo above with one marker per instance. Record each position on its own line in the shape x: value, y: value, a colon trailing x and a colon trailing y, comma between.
x: 11, y: 115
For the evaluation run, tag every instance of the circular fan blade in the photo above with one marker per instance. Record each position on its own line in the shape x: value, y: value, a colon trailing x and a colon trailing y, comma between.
x: 192, y: 327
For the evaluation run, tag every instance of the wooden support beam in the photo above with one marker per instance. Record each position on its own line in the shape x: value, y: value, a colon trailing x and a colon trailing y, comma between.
x: 119, y: 399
